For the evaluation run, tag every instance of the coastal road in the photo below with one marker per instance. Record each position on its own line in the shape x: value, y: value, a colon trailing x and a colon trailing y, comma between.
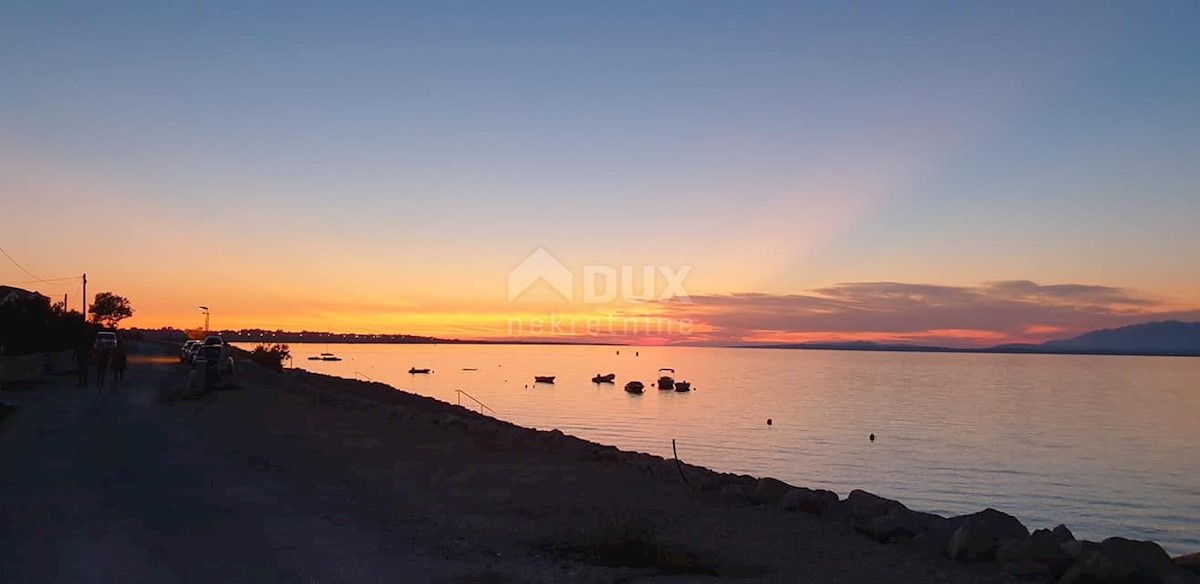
x: 116, y: 487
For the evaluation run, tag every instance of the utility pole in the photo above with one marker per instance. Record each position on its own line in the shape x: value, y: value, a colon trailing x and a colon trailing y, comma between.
x: 85, y: 297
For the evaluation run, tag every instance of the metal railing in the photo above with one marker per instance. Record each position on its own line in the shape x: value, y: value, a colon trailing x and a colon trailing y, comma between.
x: 482, y: 406
x: 364, y: 376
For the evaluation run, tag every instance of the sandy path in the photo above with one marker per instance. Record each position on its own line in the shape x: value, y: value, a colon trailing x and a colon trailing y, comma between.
x: 109, y: 488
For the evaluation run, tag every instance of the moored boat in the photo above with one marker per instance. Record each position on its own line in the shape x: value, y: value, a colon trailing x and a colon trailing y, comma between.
x: 604, y: 378
x: 543, y: 379
x: 414, y: 371
x: 635, y: 387
x: 665, y: 380
x: 683, y: 386
x: 330, y: 357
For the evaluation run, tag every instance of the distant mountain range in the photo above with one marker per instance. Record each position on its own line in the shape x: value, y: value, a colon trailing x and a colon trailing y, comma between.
x: 1173, y: 338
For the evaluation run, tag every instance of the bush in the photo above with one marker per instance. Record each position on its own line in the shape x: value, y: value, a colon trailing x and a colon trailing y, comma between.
x: 271, y: 356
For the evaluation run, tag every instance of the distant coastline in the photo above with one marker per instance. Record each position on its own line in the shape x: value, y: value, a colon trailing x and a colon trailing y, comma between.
x: 998, y: 350
x: 1152, y: 339
x: 1169, y: 338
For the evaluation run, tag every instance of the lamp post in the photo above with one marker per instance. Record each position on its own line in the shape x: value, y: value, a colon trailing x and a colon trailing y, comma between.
x: 204, y: 309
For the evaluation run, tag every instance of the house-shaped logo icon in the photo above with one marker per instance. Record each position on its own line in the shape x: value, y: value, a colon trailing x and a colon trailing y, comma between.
x: 540, y: 265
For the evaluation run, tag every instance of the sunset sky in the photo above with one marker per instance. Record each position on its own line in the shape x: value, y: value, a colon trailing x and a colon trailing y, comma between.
x: 944, y: 173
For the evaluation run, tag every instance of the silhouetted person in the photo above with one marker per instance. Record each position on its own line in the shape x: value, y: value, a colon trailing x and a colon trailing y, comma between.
x: 119, y: 361
x: 83, y: 357
x: 103, y: 357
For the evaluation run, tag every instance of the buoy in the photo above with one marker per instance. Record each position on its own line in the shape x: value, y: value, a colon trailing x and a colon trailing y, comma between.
x: 872, y: 437
x: 768, y: 421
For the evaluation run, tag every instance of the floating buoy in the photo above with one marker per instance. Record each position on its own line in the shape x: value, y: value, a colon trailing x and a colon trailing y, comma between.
x: 872, y: 437
x: 768, y: 421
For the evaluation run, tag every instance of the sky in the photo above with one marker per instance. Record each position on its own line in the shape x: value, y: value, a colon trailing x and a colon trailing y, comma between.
x: 954, y: 173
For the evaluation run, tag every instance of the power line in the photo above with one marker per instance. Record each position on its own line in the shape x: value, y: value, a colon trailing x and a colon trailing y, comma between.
x: 19, y: 266
x: 51, y: 281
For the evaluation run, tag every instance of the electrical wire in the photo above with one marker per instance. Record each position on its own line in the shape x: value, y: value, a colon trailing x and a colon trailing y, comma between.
x: 20, y: 267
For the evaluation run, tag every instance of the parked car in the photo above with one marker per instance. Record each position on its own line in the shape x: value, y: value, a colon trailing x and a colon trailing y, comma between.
x: 106, y: 340
x: 185, y: 352
x: 214, y: 354
x: 193, y: 351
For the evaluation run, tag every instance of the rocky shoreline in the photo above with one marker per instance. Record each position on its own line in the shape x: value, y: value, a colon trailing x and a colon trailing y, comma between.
x: 989, y: 537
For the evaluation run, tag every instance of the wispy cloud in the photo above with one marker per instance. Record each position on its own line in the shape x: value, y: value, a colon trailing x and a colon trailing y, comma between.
x: 989, y: 313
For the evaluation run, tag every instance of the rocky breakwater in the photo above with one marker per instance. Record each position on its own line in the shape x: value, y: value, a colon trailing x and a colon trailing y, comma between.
x: 989, y: 536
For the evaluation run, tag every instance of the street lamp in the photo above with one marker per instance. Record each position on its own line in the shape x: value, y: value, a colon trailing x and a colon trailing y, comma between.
x: 204, y: 309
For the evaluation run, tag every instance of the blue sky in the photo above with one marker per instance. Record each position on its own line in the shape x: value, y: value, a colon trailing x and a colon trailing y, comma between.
x: 776, y: 147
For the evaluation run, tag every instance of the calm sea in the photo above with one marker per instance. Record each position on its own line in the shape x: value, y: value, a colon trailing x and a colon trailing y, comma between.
x: 1106, y: 445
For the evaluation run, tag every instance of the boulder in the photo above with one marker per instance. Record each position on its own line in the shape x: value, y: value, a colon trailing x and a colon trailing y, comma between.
x: 1076, y: 549
x: 1039, y: 555
x: 934, y: 541
x: 769, y: 491
x: 1190, y: 562
x: 451, y: 421
x: 980, y: 535
x: 900, y: 524
x: 864, y: 507
x: 816, y: 501
x: 733, y: 490
x: 1117, y: 559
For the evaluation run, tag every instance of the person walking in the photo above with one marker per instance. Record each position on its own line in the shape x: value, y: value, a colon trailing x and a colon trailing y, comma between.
x: 103, y: 358
x: 119, y: 361
x: 83, y: 355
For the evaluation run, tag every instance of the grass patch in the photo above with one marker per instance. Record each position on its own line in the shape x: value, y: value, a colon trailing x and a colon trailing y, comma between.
x: 625, y: 540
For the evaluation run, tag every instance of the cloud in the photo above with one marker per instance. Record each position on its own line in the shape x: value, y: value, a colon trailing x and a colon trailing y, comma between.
x: 989, y: 313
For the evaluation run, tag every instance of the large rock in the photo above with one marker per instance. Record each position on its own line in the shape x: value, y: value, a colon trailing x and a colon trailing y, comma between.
x: 769, y: 491
x: 864, y: 507
x: 981, y: 534
x: 1190, y: 562
x: 816, y: 501
x: 1117, y: 559
x: 900, y: 524
x: 1041, y: 554
x: 934, y: 541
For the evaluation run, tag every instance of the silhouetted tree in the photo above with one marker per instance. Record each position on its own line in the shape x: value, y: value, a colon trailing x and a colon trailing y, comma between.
x: 28, y: 323
x: 271, y: 356
x: 109, y: 309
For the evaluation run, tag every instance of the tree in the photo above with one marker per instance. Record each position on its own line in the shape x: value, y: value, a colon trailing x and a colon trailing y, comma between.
x: 109, y: 309
x: 271, y: 356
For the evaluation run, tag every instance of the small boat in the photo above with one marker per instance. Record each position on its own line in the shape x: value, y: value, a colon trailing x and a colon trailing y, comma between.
x: 635, y: 387
x: 315, y: 358
x: 330, y: 357
x: 414, y: 371
x: 683, y: 386
x: 543, y: 379
x: 604, y: 378
x: 666, y: 381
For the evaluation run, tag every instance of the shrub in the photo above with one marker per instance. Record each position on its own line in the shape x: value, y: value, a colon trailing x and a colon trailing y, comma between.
x: 271, y: 356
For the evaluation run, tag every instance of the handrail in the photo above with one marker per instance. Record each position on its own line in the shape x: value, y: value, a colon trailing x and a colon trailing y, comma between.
x: 482, y: 406
x: 357, y: 373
